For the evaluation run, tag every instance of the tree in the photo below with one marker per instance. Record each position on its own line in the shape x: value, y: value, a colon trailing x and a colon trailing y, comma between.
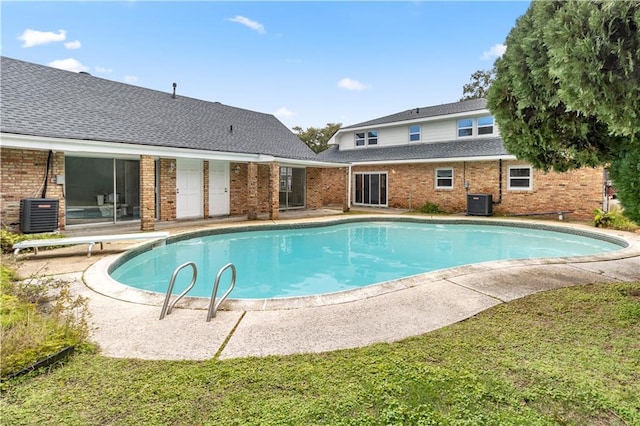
x: 317, y: 138
x: 480, y: 82
x: 566, y: 92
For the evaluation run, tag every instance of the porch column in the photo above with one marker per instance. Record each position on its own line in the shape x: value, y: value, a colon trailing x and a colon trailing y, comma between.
x: 252, y: 191
x: 147, y: 193
x: 347, y: 194
x: 274, y: 191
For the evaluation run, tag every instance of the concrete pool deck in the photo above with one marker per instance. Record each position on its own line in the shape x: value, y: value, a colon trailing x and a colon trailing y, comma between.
x: 131, y: 328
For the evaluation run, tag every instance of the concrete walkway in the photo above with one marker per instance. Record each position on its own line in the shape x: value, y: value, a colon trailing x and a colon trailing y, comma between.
x: 126, y: 324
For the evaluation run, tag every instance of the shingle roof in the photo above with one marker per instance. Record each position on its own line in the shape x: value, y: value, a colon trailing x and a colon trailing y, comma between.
x: 424, y: 112
x: 485, y: 147
x: 41, y: 101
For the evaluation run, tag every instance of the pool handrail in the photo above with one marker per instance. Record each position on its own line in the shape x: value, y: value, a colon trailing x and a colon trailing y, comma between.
x: 166, y: 307
x: 213, y: 306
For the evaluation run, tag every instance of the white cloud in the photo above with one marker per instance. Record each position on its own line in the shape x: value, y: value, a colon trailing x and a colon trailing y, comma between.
x: 256, y: 26
x: 349, y: 84
x: 73, y: 45
x: 130, y: 79
x: 32, y: 38
x: 103, y: 70
x: 69, y: 64
x: 496, y: 51
x: 284, y: 113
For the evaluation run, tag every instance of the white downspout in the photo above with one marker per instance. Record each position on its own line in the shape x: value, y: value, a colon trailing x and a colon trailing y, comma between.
x: 349, y: 189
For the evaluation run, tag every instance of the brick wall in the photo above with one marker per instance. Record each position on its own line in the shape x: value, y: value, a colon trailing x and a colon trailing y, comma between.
x: 167, y: 188
x: 334, y: 183
x: 315, y: 185
x: 412, y: 185
x: 147, y: 193
x: 22, y: 176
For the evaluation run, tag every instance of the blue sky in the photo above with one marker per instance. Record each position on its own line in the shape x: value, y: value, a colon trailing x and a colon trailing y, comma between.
x: 308, y: 63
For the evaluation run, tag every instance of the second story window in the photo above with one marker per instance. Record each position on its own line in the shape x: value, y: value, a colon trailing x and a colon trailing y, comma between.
x: 485, y: 125
x: 465, y: 127
x: 414, y: 133
x: 372, y: 137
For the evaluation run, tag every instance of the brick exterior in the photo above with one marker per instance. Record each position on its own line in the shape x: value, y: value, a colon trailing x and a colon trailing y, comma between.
x: 252, y: 191
x: 23, y: 174
x: 168, y: 196
x: 412, y: 185
x: 314, y: 188
x: 334, y: 183
x: 254, y: 188
x: 274, y: 191
x: 147, y: 193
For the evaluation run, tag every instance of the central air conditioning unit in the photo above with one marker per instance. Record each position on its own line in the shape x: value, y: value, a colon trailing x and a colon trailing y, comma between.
x: 479, y: 205
x: 38, y: 215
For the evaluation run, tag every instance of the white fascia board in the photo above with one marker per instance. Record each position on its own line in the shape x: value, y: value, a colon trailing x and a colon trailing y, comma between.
x: 419, y: 120
x: 286, y: 162
x: 436, y: 160
x: 124, y: 150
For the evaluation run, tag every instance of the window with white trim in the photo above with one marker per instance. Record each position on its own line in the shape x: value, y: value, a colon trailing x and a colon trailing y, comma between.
x: 444, y: 178
x: 485, y: 125
x: 520, y: 177
x: 414, y: 133
x: 359, y: 138
x: 372, y: 137
x: 465, y: 127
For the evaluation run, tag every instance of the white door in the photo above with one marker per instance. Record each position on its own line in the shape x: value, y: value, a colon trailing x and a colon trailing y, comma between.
x: 218, y: 188
x: 189, y: 188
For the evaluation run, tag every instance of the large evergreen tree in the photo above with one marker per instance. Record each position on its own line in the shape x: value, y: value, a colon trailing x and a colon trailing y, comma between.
x: 567, y: 90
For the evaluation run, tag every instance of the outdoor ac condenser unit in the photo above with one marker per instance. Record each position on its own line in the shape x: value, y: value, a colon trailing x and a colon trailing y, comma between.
x: 479, y: 205
x: 38, y: 215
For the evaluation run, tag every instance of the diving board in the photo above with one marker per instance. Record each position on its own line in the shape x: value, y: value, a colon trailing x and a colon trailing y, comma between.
x: 91, y: 240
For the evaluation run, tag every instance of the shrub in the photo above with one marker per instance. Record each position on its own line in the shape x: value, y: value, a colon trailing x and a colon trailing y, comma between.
x: 615, y: 219
x: 430, y: 208
x: 39, y: 318
x: 9, y: 238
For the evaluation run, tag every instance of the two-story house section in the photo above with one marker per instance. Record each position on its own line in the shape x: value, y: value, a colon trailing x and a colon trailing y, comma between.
x: 441, y: 154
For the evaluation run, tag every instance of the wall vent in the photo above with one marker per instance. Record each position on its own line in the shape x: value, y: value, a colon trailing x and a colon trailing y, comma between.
x: 38, y: 215
x: 479, y: 205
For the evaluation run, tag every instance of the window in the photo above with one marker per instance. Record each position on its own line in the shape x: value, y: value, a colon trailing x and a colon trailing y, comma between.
x: 465, y: 127
x: 520, y: 178
x: 366, y: 138
x: 414, y: 133
x: 444, y: 178
x: 485, y: 125
x: 372, y: 137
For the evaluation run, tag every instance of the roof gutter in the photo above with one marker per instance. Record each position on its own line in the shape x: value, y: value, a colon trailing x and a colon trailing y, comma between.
x: 124, y: 150
x: 436, y: 160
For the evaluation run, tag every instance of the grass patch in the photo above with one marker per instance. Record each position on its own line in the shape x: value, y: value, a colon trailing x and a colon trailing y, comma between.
x: 39, y: 317
x: 570, y: 356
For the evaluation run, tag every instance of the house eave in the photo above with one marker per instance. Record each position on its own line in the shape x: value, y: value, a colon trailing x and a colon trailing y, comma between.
x: 435, y: 160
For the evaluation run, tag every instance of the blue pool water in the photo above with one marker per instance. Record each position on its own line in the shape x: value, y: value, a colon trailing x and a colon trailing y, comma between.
x: 326, y: 259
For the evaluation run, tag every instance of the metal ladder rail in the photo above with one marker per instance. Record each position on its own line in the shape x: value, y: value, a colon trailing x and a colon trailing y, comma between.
x: 166, y: 307
x: 213, y: 306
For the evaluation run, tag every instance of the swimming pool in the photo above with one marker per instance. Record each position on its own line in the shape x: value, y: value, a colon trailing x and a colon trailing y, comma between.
x: 313, y: 259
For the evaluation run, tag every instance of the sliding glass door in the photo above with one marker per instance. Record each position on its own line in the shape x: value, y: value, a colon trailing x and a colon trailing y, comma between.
x: 370, y: 189
x: 292, y: 187
x: 101, y: 190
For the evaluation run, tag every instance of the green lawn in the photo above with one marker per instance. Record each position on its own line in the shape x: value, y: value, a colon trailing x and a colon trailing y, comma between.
x: 570, y: 356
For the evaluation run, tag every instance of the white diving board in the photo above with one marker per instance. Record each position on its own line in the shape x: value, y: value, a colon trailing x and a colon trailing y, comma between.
x: 91, y: 240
